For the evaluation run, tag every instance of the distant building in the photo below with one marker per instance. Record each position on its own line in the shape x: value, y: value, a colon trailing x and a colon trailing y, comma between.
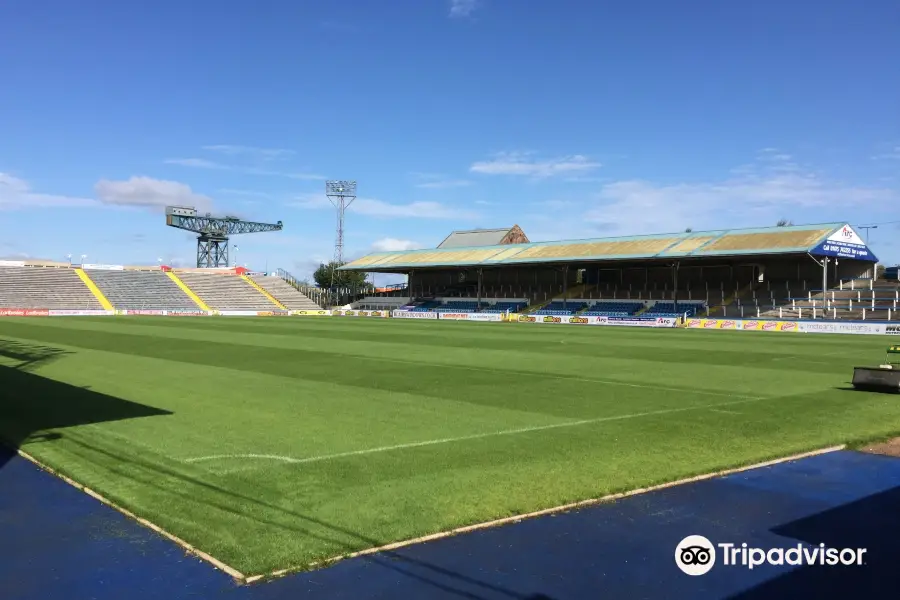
x: 485, y: 237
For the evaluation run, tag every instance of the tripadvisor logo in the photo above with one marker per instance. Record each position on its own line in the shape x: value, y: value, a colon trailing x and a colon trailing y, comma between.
x: 696, y: 555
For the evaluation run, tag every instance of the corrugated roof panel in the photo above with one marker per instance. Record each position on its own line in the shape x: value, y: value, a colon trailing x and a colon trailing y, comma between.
x: 769, y: 240
x: 477, y: 237
x: 689, y: 245
x: 766, y: 240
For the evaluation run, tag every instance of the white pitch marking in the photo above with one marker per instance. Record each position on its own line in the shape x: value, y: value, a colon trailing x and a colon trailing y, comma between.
x: 727, y: 412
x: 311, y: 459
x: 560, y: 376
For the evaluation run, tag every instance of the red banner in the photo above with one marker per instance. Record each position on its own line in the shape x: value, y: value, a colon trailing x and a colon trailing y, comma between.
x: 24, y: 312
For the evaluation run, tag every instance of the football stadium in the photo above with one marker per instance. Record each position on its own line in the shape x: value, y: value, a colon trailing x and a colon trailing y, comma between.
x: 272, y: 433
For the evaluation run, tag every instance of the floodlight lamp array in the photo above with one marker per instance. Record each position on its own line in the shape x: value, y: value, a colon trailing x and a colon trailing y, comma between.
x: 340, y: 188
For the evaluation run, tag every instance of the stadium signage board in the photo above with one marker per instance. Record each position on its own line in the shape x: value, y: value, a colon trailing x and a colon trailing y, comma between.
x: 642, y: 322
x: 454, y: 316
x: 322, y: 312
x: 563, y: 319
x: 240, y: 313
x: 845, y: 243
x: 24, y: 312
x: 850, y: 327
x: 12, y: 263
x: 154, y: 313
x: 80, y: 313
x: 472, y: 317
x: 408, y: 314
x: 742, y: 324
x: 892, y: 329
x: 94, y: 267
x: 360, y: 313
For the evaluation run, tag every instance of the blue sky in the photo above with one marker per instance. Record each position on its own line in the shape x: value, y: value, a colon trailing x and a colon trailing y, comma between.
x: 571, y: 118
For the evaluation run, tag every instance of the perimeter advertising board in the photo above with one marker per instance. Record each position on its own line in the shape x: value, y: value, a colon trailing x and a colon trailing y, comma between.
x: 491, y: 317
x: 643, y: 321
x: 741, y: 324
x: 361, y: 313
x: 80, y: 313
x: 565, y: 319
x: 409, y: 314
x: 854, y: 327
x: 24, y: 312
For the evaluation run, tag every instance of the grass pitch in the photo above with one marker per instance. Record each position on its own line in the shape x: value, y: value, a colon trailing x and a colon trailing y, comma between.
x: 273, y: 443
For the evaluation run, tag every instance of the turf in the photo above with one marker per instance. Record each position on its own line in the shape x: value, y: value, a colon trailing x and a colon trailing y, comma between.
x: 334, y: 435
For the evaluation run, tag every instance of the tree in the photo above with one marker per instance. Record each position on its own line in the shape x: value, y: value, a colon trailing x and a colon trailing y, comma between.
x: 784, y: 223
x: 341, y: 279
x: 689, y: 230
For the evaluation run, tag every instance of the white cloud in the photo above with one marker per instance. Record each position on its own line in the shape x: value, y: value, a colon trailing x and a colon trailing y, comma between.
x: 16, y: 193
x: 462, y: 8
x: 893, y: 154
x: 436, y: 181
x: 244, y: 193
x: 235, y: 150
x: 371, y: 207
x: 638, y: 206
x: 265, y: 154
x: 394, y: 245
x: 290, y: 175
x: 444, y: 184
x: 524, y: 164
x: 197, y: 163
x: 148, y: 192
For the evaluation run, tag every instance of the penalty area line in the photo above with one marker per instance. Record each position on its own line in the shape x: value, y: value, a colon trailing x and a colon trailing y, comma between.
x: 463, y: 438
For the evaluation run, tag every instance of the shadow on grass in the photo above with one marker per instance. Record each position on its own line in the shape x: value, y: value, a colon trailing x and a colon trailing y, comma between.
x: 872, y: 523
x: 32, y: 407
x: 240, y: 505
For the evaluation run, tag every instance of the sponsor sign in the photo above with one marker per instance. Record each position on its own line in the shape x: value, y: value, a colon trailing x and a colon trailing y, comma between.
x: 144, y: 312
x: 407, y: 314
x: 103, y: 267
x: 892, y: 329
x: 80, y: 313
x: 360, y: 313
x: 472, y: 317
x: 642, y: 322
x: 845, y: 243
x: 239, y: 313
x: 24, y: 312
x: 322, y: 312
x: 188, y: 313
x: 486, y: 317
x: 12, y: 263
x: 565, y: 319
x: 849, y: 327
x: 743, y: 325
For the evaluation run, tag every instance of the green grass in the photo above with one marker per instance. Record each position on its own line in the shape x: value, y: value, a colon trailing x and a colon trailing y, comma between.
x: 548, y: 415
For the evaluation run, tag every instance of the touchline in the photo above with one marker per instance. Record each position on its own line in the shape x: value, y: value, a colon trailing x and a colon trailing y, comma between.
x: 798, y: 555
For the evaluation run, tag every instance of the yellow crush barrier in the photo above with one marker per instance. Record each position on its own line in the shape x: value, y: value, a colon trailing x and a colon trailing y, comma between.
x: 262, y: 291
x: 184, y: 288
x: 106, y: 304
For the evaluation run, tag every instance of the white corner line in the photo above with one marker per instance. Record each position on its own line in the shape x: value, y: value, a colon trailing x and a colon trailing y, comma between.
x: 234, y: 573
x: 544, y: 512
x: 248, y: 579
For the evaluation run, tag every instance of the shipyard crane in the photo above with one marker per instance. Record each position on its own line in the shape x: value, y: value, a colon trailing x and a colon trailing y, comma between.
x: 212, y: 232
